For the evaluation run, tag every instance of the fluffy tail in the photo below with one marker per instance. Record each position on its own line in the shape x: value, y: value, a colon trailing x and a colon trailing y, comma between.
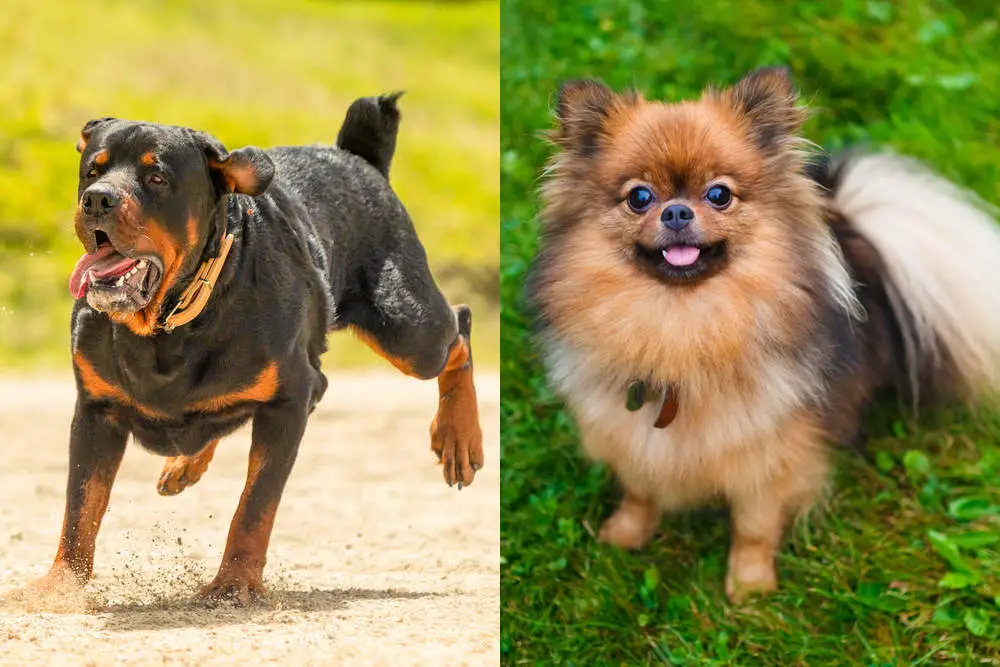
x: 940, y: 251
x: 369, y: 130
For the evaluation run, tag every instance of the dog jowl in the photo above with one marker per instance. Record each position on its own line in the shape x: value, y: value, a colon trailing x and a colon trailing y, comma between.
x: 209, y: 283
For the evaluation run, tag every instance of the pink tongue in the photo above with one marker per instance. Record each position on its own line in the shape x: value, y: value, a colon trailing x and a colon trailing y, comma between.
x: 104, y: 263
x: 681, y: 255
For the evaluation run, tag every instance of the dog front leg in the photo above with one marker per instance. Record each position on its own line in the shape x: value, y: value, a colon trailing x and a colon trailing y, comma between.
x: 95, y: 452
x: 456, y: 436
x: 277, y: 431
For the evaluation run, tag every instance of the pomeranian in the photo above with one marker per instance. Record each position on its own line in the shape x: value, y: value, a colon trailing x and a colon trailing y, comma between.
x: 718, y: 304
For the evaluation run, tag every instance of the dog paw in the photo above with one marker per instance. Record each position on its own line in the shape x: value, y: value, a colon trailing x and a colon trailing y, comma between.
x: 59, y: 591
x: 748, y: 579
x: 234, y: 587
x: 180, y: 472
x: 457, y: 440
x: 630, y: 527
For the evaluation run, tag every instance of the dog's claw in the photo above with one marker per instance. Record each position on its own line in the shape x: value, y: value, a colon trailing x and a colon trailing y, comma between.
x: 459, y: 451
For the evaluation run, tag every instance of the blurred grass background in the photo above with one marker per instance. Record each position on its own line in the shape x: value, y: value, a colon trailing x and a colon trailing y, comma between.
x: 901, y: 567
x: 262, y: 72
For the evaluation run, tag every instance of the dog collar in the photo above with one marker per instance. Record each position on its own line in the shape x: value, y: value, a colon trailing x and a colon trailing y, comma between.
x: 635, y: 398
x: 195, y: 296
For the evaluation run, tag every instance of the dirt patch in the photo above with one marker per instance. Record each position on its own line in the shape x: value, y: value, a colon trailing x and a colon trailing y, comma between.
x: 373, y: 561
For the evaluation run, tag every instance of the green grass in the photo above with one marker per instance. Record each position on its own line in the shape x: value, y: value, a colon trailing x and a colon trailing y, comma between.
x: 264, y: 72
x: 900, y: 566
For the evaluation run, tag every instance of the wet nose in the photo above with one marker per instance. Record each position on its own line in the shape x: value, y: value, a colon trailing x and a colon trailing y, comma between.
x: 99, y: 200
x: 677, y: 217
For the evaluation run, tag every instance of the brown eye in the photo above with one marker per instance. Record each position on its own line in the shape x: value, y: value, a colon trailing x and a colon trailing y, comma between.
x: 156, y: 179
x: 92, y: 173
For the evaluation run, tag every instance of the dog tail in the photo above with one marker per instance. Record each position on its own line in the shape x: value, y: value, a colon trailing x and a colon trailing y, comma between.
x: 370, y: 128
x: 939, y: 252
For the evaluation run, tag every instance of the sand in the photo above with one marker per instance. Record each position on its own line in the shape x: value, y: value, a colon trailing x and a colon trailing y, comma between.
x: 373, y: 560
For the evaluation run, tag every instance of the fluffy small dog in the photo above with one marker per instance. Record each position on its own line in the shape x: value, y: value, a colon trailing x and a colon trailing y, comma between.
x: 718, y: 310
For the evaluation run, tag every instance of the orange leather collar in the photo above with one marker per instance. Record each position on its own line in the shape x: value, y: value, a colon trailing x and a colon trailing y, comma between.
x: 195, y: 296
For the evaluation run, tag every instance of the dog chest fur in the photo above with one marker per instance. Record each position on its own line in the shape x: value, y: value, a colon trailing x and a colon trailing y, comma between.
x: 727, y: 438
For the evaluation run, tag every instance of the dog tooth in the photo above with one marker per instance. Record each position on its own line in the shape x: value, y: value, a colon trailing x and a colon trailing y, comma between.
x: 121, y: 281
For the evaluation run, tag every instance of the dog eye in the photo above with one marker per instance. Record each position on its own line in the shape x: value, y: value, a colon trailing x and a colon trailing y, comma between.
x: 92, y: 173
x: 640, y: 198
x: 719, y: 196
x: 156, y: 179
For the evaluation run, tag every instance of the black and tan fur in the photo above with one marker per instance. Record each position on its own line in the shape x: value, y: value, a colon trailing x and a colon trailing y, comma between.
x: 321, y: 243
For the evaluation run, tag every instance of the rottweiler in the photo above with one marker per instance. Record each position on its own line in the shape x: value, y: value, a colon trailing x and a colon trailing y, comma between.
x: 210, y: 281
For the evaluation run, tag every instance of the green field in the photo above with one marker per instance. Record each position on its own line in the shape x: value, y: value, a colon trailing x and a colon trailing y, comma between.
x: 900, y: 567
x: 261, y: 72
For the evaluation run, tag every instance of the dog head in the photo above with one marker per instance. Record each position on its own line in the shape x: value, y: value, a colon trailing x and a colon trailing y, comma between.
x: 145, y: 206
x: 682, y: 189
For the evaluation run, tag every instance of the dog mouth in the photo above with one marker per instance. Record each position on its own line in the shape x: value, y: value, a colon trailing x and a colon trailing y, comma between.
x: 114, y: 280
x: 682, y: 262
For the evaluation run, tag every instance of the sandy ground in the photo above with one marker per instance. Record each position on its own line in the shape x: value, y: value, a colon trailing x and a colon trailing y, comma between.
x: 373, y: 560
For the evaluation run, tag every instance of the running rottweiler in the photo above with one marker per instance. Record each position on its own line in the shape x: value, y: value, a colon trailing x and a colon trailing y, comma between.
x: 210, y: 280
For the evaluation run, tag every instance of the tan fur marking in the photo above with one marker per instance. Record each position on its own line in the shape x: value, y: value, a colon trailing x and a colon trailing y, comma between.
x: 180, y: 472
x: 261, y: 390
x: 192, y: 233
x: 242, y: 568
x: 79, y: 555
x: 401, y: 364
x: 99, y: 388
x: 155, y: 239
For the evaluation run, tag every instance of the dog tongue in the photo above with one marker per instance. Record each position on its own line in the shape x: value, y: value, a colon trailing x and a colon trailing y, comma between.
x: 103, y: 263
x: 681, y: 255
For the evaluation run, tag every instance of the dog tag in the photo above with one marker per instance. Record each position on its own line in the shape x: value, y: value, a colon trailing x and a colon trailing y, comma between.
x: 669, y: 409
x: 636, y: 396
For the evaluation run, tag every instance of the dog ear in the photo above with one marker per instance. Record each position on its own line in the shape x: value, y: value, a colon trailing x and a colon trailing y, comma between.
x: 247, y: 170
x: 767, y: 99
x: 581, y: 109
x: 88, y: 129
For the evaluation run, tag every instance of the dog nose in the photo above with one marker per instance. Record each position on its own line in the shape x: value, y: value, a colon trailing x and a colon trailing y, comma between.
x: 677, y: 216
x: 99, y: 200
